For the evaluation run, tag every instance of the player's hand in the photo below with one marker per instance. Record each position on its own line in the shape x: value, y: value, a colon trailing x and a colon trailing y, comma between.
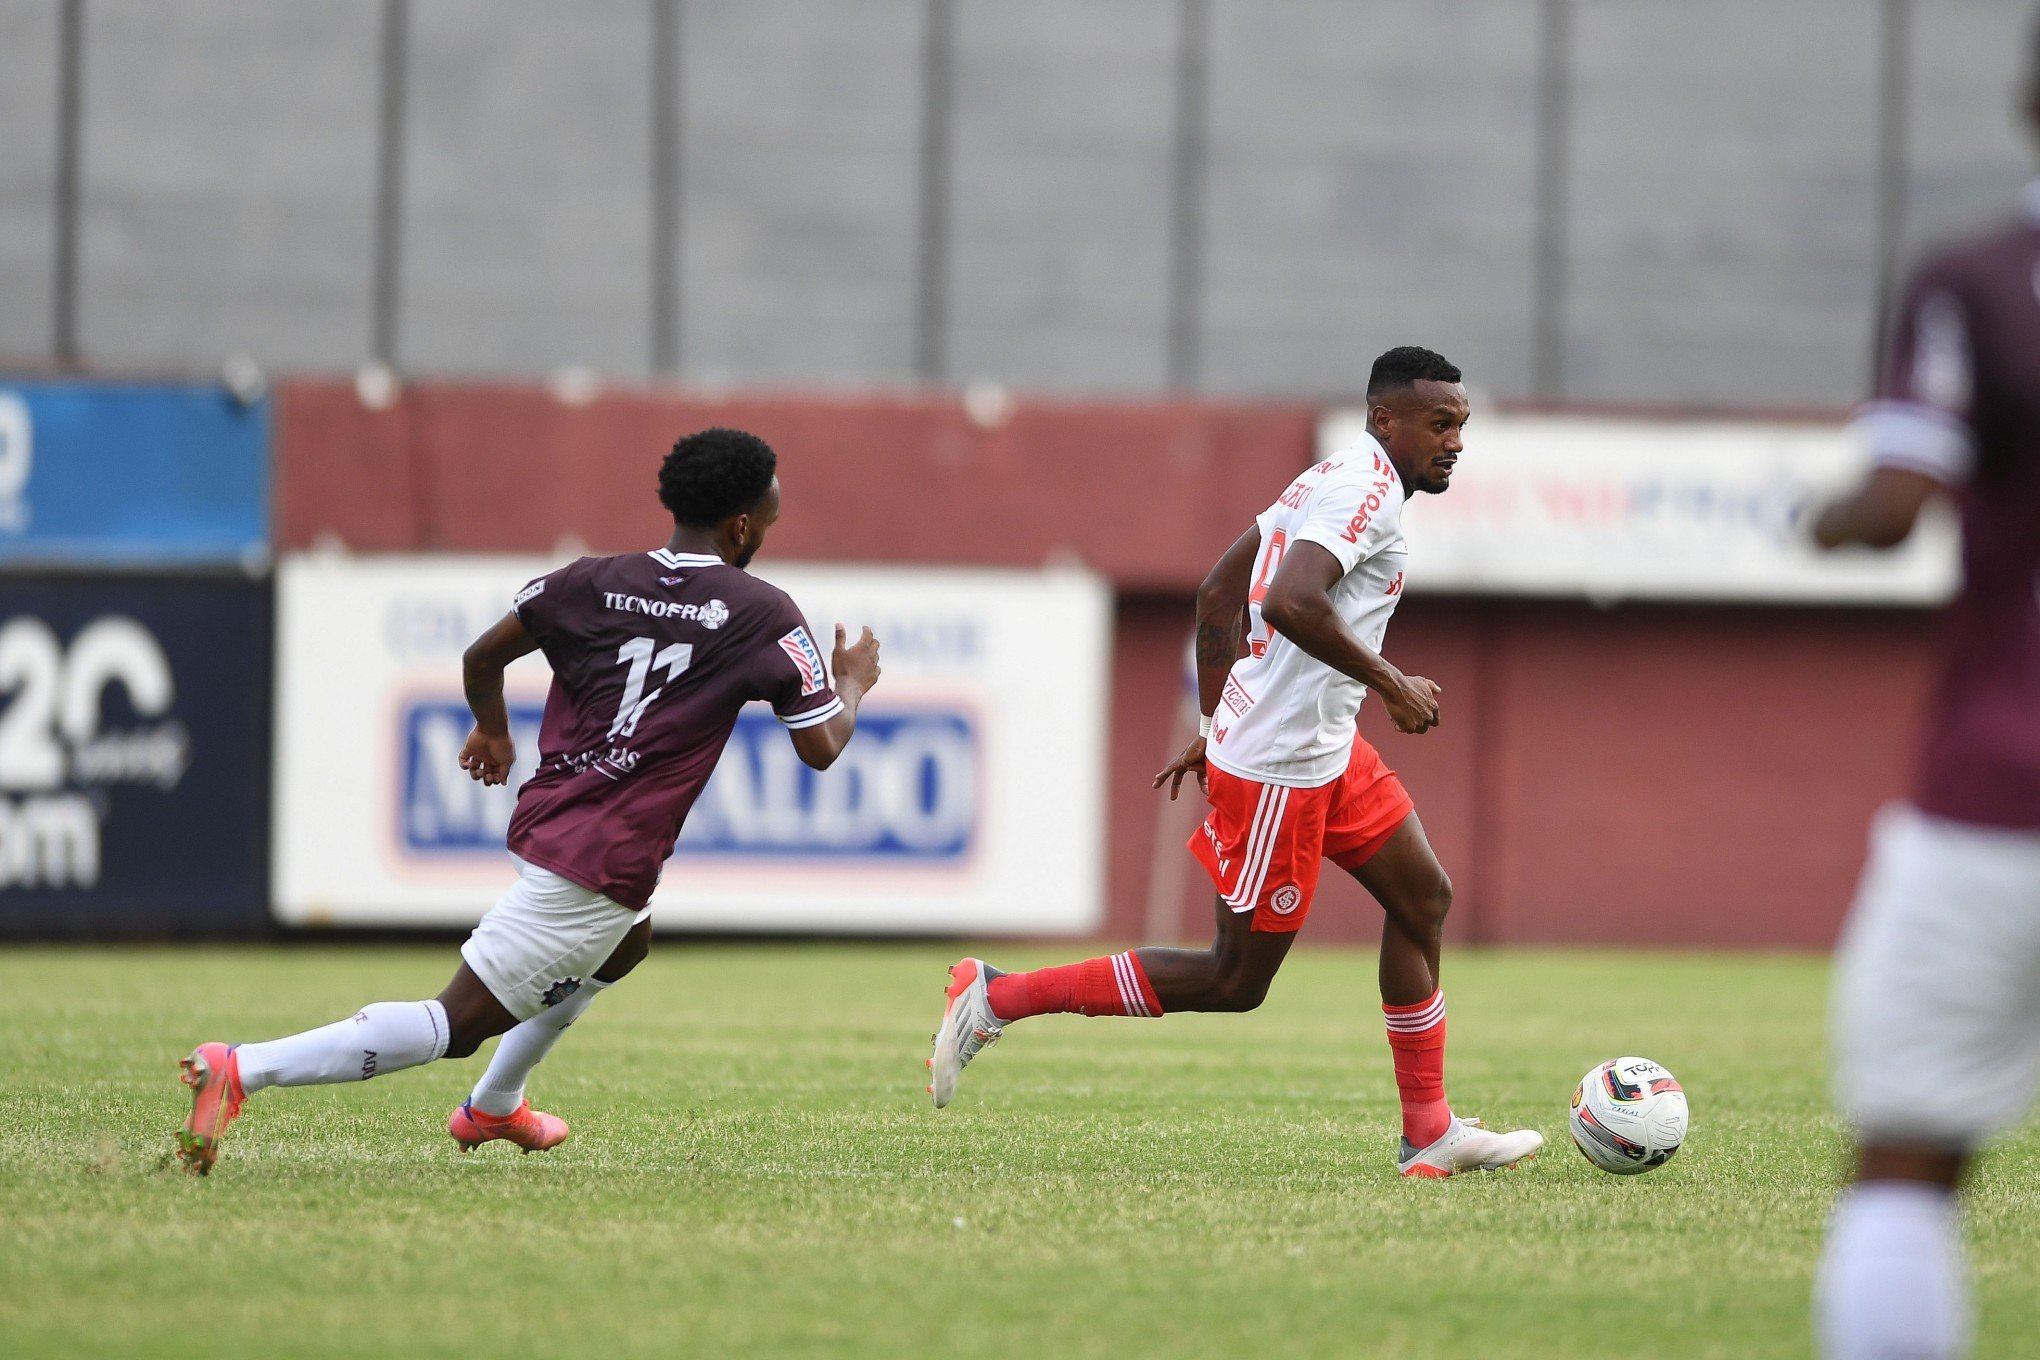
x: 855, y: 664
x: 1412, y: 703
x: 488, y: 758
x: 1190, y: 762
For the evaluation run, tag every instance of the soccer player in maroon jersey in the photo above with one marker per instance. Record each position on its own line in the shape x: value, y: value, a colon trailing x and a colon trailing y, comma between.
x: 1936, y: 1008
x: 653, y: 654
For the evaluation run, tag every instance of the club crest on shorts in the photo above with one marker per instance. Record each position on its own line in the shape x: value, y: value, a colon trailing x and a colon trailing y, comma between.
x: 560, y: 991
x: 1285, y: 899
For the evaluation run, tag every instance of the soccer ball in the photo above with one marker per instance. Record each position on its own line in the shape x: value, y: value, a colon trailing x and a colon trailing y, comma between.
x: 1628, y: 1116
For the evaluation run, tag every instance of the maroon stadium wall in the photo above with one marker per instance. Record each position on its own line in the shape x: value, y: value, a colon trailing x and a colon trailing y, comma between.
x: 1648, y: 774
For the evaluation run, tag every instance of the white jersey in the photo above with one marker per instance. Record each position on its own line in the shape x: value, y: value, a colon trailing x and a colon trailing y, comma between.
x: 1285, y: 716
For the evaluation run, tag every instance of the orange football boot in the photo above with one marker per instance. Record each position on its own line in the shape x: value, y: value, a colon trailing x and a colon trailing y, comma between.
x: 532, y: 1130
x: 214, y: 1075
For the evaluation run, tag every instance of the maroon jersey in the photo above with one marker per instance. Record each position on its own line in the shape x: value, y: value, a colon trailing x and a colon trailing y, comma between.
x: 652, y: 654
x: 1959, y: 399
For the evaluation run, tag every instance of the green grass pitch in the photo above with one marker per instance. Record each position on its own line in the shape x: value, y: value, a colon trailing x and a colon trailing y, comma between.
x: 755, y: 1171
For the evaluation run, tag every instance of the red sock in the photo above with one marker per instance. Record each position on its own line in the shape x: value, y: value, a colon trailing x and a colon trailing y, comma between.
x: 1115, y: 985
x: 1417, y: 1036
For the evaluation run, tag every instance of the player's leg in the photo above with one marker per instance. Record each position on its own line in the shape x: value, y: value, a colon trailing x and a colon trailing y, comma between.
x: 500, y: 1092
x: 543, y: 928
x: 547, y: 950
x: 1261, y: 844
x: 1374, y: 834
x: 1404, y: 876
x: 1936, y: 1039
x: 1232, y: 974
x: 380, y: 1038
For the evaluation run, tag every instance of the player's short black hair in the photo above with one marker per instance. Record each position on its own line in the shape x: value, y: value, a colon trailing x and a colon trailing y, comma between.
x: 1405, y: 366
x: 714, y: 474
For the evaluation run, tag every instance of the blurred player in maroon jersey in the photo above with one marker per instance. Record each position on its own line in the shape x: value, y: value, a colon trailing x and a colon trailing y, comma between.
x: 1936, y: 1024
x: 653, y: 654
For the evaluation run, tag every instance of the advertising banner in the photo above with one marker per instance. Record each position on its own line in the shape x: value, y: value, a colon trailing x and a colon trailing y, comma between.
x: 971, y: 798
x: 105, y: 475
x: 1618, y: 509
x: 134, y: 755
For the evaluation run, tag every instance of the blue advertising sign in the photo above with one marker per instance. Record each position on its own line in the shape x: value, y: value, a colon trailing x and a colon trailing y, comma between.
x: 134, y: 755
x: 104, y: 474
x: 906, y: 790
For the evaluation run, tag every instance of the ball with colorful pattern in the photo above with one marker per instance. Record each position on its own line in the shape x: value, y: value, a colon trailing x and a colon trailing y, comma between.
x: 1629, y: 1115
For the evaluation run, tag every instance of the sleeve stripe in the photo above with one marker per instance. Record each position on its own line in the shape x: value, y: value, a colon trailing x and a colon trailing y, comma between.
x: 813, y: 716
x: 1918, y: 439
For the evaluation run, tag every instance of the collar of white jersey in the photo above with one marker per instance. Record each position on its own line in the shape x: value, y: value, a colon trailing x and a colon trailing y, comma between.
x: 1369, y: 444
x: 665, y: 557
x: 2030, y: 199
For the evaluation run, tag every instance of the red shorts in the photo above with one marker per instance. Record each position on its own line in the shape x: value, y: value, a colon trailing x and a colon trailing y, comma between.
x: 1262, y: 843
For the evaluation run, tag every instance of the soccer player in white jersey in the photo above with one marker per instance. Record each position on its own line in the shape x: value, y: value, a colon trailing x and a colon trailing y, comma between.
x: 1936, y: 1033
x: 1312, y: 584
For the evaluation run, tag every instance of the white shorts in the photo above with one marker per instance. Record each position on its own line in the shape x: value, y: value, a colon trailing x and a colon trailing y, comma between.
x: 543, y: 938
x: 1936, y: 1004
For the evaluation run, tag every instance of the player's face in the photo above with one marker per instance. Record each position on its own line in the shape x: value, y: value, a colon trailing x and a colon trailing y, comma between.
x: 752, y: 524
x: 1420, y: 429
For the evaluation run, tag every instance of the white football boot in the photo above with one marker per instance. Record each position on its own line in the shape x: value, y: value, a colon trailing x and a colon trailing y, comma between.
x: 968, y: 1026
x: 1466, y: 1146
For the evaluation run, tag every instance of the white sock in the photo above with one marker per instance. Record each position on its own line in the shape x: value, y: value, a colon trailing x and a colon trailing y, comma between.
x: 1893, y: 1283
x: 387, y: 1036
x: 501, y: 1089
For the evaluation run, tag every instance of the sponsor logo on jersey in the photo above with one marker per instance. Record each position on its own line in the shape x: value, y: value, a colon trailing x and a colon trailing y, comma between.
x: 1236, y: 697
x: 1376, y: 497
x: 801, y: 647
x: 529, y: 593
x: 1285, y: 899
x: 712, y: 615
x: 1395, y: 586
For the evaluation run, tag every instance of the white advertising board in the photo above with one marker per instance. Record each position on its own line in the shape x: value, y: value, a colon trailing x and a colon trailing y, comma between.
x: 1624, y: 508
x: 970, y: 800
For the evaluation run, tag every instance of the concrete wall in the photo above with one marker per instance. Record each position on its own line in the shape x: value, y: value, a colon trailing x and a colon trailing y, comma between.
x: 1645, y: 200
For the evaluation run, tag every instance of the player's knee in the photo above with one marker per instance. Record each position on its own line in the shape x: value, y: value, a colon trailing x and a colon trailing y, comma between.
x: 1239, y: 992
x: 627, y: 955
x: 1423, y: 911
x: 1439, y: 901
x: 469, y: 1026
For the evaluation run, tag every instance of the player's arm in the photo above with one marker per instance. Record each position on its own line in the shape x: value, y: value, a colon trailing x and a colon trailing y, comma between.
x: 856, y: 671
x: 1880, y: 513
x: 1299, y: 606
x: 1221, y: 617
x: 1918, y: 426
x: 489, y: 753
